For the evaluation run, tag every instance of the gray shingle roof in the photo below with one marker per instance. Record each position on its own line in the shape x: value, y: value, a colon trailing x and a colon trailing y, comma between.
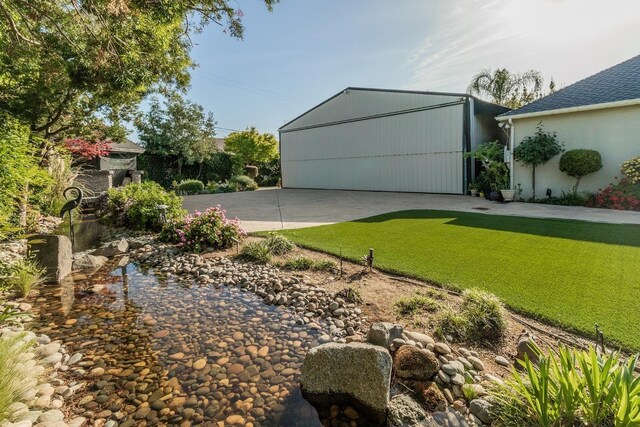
x: 126, y: 146
x: 618, y: 83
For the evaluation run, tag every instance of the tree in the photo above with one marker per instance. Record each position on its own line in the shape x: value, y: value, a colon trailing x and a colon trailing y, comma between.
x: 512, y: 90
x: 66, y: 62
x: 537, y: 150
x: 181, y: 129
x: 252, y: 147
x: 580, y: 162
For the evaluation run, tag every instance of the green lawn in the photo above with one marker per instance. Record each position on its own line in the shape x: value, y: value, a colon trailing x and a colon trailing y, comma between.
x: 572, y: 273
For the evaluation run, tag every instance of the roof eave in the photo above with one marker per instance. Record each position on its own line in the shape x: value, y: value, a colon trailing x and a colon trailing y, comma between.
x: 590, y: 107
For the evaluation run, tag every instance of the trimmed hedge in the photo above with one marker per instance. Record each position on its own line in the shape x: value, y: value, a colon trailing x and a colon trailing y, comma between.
x: 190, y: 186
x: 580, y: 162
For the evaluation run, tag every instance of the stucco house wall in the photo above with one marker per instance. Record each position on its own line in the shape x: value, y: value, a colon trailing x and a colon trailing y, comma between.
x: 614, y: 132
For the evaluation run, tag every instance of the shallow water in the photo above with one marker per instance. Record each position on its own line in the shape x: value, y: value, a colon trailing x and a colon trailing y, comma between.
x: 162, y: 353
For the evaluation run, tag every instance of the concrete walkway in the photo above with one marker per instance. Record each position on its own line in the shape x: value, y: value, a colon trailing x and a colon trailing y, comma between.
x: 276, y: 209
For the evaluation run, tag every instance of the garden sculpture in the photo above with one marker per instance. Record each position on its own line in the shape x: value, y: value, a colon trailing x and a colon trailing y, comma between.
x: 70, y: 206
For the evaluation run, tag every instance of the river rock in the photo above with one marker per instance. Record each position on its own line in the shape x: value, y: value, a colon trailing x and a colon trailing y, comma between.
x: 527, y: 348
x: 502, y: 361
x: 481, y: 409
x: 418, y: 337
x: 405, y: 412
x: 383, y: 334
x: 414, y: 363
x: 112, y: 249
x: 89, y: 262
x: 359, y: 371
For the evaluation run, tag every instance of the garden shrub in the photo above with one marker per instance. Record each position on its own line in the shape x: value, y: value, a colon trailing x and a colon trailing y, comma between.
x: 452, y: 324
x: 243, y: 183
x: 269, y: 173
x: 189, y: 186
x: 278, y: 244
x: 624, y: 195
x: 631, y: 169
x: 226, y: 188
x: 256, y: 252
x: 567, y: 199
x: 299, y: 263
x: 136, y: 206
x: 417, y: 303
x: 486, y: 315
x: 481, y: 318
x: 573, y: 388
x: 352, y: 295
x: 208, y: 229
x: 580, y: 162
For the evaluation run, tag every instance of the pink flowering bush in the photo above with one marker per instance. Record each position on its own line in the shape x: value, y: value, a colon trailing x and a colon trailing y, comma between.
x: 624, y: 195
x: 208, y: 229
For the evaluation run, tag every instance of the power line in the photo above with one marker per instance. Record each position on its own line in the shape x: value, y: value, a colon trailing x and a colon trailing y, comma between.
x: 238, y: 85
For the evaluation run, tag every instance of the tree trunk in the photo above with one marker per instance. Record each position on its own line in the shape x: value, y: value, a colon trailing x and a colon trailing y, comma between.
x: 199, y: 170
x: 575, y: 187
x: 533, y: 182
x: 180, y: 168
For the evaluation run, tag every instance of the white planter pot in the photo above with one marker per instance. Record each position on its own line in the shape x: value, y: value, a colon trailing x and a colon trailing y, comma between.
x: 508, y: 195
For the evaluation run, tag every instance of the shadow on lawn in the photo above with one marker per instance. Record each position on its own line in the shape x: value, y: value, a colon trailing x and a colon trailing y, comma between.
x: 614, y: 234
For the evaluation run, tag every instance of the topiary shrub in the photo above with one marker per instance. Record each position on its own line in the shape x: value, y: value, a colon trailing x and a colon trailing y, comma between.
x: 190, y: 186
x: 243, y: 183
x: 580, y: 162
x: 136, y: 206
x: 208, y: 229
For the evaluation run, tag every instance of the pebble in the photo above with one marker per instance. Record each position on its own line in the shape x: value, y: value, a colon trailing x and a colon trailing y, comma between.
x: 502, y: 361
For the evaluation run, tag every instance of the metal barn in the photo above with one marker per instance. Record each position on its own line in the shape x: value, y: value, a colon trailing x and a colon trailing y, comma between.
x: 387, y: 140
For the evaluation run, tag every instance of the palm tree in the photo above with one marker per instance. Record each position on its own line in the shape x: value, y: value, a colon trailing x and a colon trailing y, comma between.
x: 511, y: 90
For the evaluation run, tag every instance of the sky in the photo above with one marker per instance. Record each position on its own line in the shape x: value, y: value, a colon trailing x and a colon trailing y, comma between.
x: 308, y: 50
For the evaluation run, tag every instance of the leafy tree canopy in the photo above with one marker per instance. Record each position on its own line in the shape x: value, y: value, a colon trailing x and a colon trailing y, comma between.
x: 64, y: 63
x: 512, y: 90
x: 178, y: 127
x: 537, y: 150
x: 251, y: 146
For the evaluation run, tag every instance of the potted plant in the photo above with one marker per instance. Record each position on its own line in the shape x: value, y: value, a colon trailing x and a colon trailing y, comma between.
x: 508, y: 195
x: 473, y: 189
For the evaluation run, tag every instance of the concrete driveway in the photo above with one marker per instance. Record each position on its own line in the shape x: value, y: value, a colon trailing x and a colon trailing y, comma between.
x: 276, y: 209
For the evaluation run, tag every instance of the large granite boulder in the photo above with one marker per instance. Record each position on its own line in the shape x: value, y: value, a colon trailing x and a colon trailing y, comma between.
x: 415, y: 364
x: 357, y: 373
x: 54, y: 253
x: 383, y: 334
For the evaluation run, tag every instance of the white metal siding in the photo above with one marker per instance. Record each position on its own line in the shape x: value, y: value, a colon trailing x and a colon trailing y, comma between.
x: 361, y: 103
x: 415, y: 152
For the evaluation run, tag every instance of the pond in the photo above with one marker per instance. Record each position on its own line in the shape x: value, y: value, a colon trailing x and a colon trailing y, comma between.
x: 161, y: 352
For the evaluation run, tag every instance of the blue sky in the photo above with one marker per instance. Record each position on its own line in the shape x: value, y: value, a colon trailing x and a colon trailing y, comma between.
x: 308, y: 50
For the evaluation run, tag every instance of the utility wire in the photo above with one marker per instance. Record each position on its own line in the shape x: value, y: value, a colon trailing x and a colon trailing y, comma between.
x: 238, y: 85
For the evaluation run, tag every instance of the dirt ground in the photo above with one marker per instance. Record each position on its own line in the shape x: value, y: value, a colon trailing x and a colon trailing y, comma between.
x: 379, y: 291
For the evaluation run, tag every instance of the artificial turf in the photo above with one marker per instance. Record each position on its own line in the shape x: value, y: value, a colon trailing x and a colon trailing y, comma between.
x: 571, y: 273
